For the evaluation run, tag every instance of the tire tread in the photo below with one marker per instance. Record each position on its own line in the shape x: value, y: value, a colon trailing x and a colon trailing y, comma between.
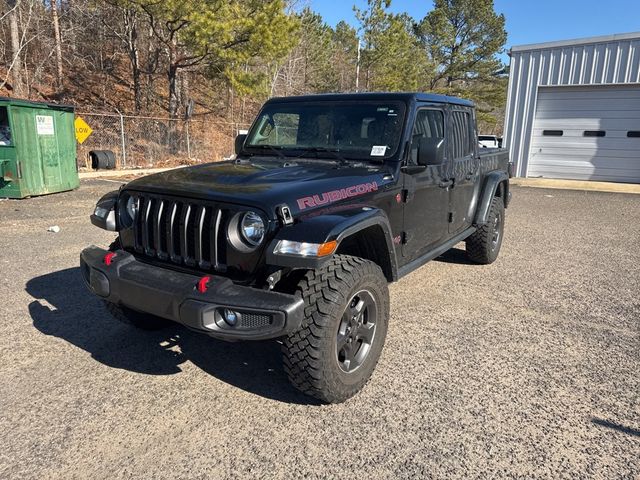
x: 478, y: 245
x: 305, y: 352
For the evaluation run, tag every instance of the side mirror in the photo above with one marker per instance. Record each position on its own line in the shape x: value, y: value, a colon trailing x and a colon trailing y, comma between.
x: 240, y: 138
x: 430, y: 151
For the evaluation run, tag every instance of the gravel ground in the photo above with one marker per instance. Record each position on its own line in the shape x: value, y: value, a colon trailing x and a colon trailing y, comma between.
x: 525, y: 368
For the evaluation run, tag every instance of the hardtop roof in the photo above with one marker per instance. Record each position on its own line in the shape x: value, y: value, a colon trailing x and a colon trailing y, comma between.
x: 397, y: 96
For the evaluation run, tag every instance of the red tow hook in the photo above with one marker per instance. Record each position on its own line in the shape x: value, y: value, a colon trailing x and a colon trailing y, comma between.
x: 108, y: 258
x: 203, y: 284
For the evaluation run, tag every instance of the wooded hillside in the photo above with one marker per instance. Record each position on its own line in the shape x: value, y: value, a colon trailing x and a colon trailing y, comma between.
x: 151, y: 57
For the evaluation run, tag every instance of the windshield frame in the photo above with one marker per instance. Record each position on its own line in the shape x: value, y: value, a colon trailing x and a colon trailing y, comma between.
x: 332, y: 151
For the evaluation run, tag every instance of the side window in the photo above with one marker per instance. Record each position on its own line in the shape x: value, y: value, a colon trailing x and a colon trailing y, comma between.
x: 429, y: 124
x: 5, y: 130
x: 461, y: 134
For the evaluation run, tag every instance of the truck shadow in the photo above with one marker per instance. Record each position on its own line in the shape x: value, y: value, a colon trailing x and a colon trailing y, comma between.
x: 455, y: 255
x: 63, y: 308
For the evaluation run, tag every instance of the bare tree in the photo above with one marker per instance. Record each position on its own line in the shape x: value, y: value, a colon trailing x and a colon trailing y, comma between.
x: 15, y: 67
x: 127, y: 33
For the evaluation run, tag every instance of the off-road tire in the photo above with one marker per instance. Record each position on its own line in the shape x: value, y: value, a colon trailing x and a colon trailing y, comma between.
x: 482, y: 246
x: 310, y: 354
x: 141, y: 320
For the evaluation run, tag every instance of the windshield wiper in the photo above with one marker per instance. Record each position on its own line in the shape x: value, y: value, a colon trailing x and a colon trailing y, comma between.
x: 274, y: 148
x: 334, y: 151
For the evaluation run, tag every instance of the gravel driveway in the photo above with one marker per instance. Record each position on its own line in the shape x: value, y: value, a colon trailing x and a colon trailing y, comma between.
x: 529, y: 367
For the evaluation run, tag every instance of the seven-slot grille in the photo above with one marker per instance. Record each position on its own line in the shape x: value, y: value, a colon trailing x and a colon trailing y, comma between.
x: 182, y: 231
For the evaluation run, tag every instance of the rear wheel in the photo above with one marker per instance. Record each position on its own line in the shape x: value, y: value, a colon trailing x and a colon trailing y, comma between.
x: 338, y: 346
x: 484, y: 245
x: 141, y: 320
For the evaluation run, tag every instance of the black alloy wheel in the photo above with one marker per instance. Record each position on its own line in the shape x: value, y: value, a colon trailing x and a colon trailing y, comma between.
x: 497, y: 231
x: 356, y: 331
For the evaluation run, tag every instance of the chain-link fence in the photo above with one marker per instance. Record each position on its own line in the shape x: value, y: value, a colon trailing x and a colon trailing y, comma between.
x: 156, y: 142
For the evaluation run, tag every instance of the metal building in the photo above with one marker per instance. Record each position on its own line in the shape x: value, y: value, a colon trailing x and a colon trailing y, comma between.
x: 573, y: 109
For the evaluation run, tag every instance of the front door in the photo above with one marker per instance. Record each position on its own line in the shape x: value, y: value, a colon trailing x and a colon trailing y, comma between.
x: 427, y: 206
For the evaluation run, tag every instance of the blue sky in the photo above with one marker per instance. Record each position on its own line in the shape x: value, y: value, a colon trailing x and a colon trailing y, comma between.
x: 528, y: 21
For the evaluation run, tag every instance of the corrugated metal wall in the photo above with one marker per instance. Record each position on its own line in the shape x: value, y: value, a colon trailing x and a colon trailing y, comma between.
x: 597, y: 61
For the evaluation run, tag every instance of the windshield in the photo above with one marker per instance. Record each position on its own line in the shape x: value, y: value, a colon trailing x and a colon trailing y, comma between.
x: 357, y: 130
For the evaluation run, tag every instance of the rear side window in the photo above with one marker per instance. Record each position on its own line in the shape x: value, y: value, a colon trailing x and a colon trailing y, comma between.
x: 461, y: 134
x: 429, y: 124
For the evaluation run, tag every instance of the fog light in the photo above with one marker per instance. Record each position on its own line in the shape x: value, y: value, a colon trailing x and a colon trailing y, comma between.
x: 230, y: 317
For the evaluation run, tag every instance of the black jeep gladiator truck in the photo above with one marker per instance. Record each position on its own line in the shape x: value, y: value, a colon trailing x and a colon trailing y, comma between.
x: 329, y: 198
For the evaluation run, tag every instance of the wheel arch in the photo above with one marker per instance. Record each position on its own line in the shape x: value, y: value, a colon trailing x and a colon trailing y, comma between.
x: 363, y: 232
x: 496, y: 185
x: 370, y: 242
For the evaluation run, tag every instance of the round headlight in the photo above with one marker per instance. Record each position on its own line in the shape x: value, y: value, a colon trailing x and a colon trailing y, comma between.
x: 252, y: 228
x: 132, y: 207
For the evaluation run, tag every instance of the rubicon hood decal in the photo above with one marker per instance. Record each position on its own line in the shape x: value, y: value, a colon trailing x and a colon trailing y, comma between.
x: 335, y: 195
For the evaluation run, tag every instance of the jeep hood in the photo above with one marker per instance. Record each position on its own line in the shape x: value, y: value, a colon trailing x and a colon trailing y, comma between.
x: 264, y: 184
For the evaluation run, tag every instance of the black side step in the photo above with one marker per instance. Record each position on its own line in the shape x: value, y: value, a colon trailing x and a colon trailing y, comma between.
x: 436, y: 252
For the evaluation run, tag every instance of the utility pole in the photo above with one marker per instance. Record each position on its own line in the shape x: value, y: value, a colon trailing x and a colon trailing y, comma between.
x: 58, y: 44
x: 358, y: 69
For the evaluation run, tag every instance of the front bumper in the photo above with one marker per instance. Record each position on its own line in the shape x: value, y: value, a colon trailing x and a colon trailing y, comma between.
x: 174, y: 295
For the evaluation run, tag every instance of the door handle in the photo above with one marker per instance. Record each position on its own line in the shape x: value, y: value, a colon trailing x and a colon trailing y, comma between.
x: 446, y: 183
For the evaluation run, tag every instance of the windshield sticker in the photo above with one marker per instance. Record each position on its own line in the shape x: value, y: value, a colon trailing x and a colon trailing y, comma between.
x: 378, y: 150
x: 335, y: 195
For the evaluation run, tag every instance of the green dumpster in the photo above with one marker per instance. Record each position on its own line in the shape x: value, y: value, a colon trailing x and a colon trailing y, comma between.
x: 37, y: 148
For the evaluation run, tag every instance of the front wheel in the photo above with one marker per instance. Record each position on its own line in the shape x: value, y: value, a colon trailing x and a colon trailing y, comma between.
x: 340, y: 341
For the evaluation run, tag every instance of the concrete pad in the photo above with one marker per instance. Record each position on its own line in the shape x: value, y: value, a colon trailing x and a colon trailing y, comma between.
x: 577, y: 185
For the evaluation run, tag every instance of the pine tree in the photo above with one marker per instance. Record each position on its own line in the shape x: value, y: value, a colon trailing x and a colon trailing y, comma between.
x: 463, y: 38
x: 392, y: 58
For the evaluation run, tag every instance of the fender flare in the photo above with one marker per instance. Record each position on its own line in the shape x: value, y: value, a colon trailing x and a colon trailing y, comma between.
x: 491, y: 185
x: 107, y: 206
x: 328, y: 227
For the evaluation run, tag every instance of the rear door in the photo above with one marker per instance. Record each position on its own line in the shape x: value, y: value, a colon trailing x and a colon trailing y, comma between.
x: 425, y: 211
x: 464, y: 168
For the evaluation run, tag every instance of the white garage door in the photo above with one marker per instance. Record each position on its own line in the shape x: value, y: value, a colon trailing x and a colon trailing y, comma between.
x: 587, y: 133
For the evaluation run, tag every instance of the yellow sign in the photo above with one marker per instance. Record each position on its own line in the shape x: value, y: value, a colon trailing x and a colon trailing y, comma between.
x: 83, y: 130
